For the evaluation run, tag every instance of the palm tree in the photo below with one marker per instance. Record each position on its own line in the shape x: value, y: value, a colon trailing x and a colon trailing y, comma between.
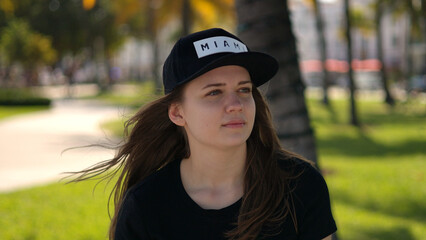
x: 323, y: 50
x: 152, y: 34
x: 408, y: 56
x: 379, y: 12
x: 186, y: 17
x: 353, y: 113
x: 265, y: 26
x: 423, y: 19
x: 416, y: 26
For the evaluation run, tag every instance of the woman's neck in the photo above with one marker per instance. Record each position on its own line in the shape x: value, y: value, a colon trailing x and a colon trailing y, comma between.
x: 214, y: 178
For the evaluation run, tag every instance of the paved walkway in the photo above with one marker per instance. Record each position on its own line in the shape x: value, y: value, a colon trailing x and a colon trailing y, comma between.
x: 31, y: 145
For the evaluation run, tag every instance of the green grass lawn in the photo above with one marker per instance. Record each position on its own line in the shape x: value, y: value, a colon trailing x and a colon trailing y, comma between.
x: 375, y: 175
x: 8, y: 111
x: 131, y: 95
x: 57, y: 211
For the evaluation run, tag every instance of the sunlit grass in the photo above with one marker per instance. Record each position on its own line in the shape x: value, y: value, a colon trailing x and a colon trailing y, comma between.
x: 56, y: 211
x: 9, y: 111
x: 131, y: 95
x: 115, y: 127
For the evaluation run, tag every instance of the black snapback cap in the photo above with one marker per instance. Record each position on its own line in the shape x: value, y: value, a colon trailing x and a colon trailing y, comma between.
x: 200, y: 52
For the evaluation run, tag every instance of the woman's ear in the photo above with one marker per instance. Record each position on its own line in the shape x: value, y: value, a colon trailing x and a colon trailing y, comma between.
x: 175, y: 114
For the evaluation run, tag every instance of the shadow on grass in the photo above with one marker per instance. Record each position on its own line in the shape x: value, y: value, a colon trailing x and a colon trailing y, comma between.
x: 400, y: 114
x: 407, y: 208
x: 363, y: 146
x: 378, y: 119
x: 396, y: 233
x: 372, y: 114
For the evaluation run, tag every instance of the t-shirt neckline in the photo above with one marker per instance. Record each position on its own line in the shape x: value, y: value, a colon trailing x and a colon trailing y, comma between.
x: 225, y: 212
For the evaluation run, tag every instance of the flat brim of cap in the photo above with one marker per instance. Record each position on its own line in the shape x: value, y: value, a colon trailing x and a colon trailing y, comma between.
x: 260, y: 66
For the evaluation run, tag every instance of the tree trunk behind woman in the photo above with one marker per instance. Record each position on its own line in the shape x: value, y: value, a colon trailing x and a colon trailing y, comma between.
x: 153, y: 37
x: 411, y: 25
x: 186, y: 17
x: 265, y: 26
x: 353, y: 113
x: 379, y: 45
x: 423, y: 28
x: 323, y: 50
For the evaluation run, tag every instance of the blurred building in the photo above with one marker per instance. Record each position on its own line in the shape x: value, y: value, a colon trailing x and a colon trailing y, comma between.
x: 395, y: 32
x: 135, y: 59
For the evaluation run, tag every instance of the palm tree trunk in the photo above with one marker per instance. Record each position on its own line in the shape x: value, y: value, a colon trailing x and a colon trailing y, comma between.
x: 379, y: 12
x: 152, y: 34
x: 265, y: 26
x: 155, y: 65
x: 407, y: 54
x: 323, y: 50
x: 186, y: 17
x: 423, y: 27
x: 353, y: 113
x: 409, y: 43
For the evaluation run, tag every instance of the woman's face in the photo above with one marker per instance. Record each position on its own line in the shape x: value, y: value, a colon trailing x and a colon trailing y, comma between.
x: 217, y: 108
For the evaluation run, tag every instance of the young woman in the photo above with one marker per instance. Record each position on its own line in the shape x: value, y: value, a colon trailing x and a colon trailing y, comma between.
x: 204, y: 162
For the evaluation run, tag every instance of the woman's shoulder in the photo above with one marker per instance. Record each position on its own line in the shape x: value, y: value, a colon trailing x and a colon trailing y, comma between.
x: 310, y: 198
x: 145, y: 203
x: 155, y: 185
x: 296, y: 166
x: 303, y: 177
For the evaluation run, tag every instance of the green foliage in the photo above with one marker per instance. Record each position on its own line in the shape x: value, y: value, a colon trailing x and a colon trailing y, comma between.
x: 146, y: 18
x: 21, y: 97
x: 40, y: 50
x: 361, y: 20
x: 70, y: 27
x: 401, y: 8
x: 20, y: 44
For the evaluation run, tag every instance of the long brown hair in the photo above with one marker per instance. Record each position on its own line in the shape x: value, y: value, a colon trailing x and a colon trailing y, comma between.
x: 266, y: 200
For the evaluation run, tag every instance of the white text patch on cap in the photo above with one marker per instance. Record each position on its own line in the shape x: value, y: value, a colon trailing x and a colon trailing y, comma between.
x: 208, y: 46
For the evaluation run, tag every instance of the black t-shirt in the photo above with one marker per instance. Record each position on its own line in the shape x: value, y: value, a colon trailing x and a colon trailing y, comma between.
x: 159, y: 208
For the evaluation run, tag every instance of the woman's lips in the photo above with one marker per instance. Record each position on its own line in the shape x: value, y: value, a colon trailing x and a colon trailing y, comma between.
x: 234, y: 124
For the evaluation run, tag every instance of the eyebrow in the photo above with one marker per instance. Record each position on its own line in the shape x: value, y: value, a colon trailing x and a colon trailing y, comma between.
x: 223, y: 84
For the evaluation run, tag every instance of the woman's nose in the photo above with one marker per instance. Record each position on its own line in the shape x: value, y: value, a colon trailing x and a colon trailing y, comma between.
x: 233, y: 103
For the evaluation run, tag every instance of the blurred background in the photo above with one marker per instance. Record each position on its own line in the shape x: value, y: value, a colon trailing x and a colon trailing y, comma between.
x: 350, y: 95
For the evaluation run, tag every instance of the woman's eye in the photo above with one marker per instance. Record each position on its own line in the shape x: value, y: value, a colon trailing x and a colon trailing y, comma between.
x: 213, y: 93
x: 245, y: 90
